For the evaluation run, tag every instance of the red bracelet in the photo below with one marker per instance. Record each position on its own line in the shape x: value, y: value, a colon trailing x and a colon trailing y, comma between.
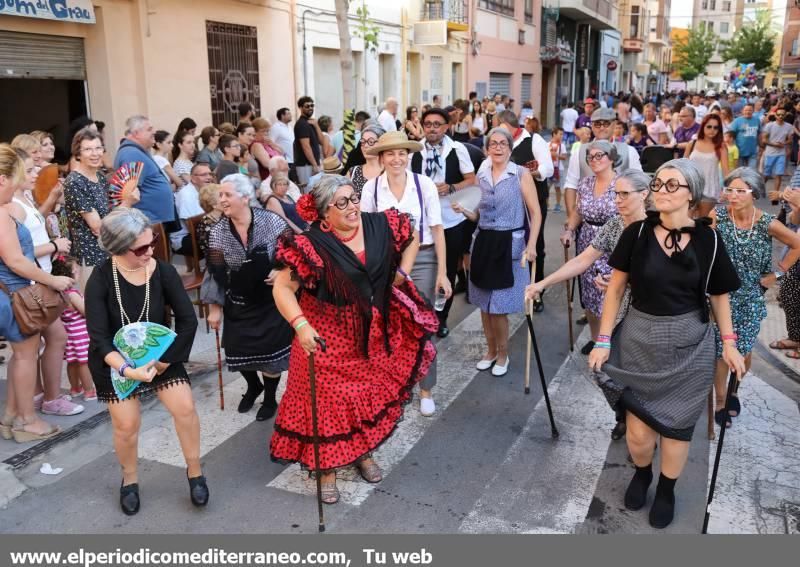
x: 291, y: 323
x: 731, y: 337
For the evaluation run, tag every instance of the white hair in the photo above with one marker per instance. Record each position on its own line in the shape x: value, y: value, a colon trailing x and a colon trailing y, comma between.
x: 135, y: 123
x: 240, y: 183
x: 275, y: 161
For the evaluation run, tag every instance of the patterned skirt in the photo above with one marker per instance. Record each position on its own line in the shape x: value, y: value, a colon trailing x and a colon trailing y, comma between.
x: 661, y: 369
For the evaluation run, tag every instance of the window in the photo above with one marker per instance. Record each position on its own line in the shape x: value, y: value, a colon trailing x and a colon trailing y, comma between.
x: 505, y: 7
x: 527, y: 79
x: 726, y: 6
x: 704, y: 5
x: 634, y: 30
x: 710, y: 26
x: 712, y: 5
x: 528, y: 11
x: 233, y: 69
x: 794, y: 48
x: 437, y: 74
x: 723, y: 27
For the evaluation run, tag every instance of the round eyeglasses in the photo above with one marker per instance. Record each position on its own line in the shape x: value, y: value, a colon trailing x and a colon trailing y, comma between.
x: 343, y: 202
x: 671, y: 185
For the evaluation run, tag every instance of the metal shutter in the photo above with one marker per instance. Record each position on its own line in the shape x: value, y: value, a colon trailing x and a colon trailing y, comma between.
x: 526, y: 87
x: 35, y: 56
x: 500, y: 83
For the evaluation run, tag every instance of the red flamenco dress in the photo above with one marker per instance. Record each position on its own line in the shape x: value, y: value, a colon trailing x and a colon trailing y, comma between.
x: 378, y: 343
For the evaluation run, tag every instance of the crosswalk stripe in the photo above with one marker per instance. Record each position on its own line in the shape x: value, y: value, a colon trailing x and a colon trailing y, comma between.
x: 456, y: 369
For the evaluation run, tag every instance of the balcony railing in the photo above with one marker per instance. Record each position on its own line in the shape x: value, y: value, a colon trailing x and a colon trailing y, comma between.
x: 557, y: 53
x: 453, y: 11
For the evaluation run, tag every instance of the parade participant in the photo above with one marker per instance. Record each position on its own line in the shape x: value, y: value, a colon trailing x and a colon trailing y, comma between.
x: 499, y: 253
x: 351, y: 270
x: 709, y: 154
x: 747, y: 233
x: 241, y: 258
x: 660, y: 361
x: 746, y: 128
x: 535, y: 156
x: 448, y: 164
x: 789, y: 288
x: 595, y: 207
x: 776, y: 136
x: 132, y: 282
x: 630, y: 195
x: 415, y: 195
x: 17, y: 269
x: 360, y: 174
x: 86, y: 199
x: 156, y: 192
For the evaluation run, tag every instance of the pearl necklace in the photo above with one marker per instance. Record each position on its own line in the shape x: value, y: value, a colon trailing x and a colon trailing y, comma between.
x: 736, y: 229
x: 145, y: 308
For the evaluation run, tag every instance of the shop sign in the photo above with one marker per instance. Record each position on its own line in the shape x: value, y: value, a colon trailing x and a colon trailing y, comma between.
x: 76, y: 11
x: 583, y: 46
x: 611, y: 65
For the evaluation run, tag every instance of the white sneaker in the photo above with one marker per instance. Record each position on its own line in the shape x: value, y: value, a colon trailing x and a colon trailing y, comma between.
x: 484, y: 364
x: 427, y: 407
x: 500, y: 370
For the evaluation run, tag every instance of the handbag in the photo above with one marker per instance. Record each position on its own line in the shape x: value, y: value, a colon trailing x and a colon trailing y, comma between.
x: 35, y: 307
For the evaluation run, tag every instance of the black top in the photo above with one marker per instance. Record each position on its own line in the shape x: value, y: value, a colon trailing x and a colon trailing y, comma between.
x: 103, y: 319
x: 672, y: 285
x: 302, y: 129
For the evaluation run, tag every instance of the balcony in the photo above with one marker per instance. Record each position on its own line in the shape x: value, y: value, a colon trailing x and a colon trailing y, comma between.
x: 558, y: 53
x: 633, y: 45
x: 454, y: 12
x: 601, y: 14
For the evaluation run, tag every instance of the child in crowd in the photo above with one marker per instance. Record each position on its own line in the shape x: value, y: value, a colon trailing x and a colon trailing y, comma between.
x: 558, y: 153
x: 76, y: 352
x: 639, y: 139
x: 618, y: 132
x: 584, y: 137
x: 733, y: 150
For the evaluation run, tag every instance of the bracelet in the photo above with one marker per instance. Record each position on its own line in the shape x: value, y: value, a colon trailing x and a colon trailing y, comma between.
x: 301, y: 324
x: 291, y: 323
x: 123, y: 368
x: 55, y: 247
x: 402, y: 272
x: 731, y: 337
x: 603, y: 338
x: 606, y: 346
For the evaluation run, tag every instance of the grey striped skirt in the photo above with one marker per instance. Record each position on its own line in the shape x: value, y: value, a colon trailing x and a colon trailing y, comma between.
x: 661, y: 369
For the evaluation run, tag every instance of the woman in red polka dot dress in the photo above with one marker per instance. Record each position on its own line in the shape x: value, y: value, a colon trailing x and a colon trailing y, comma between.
x: 350, y: 269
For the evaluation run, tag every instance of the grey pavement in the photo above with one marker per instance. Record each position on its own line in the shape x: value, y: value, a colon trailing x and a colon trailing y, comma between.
x: 485, y: 463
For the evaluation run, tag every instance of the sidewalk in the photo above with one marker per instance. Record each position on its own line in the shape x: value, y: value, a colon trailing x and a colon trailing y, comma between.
x: 773, y: 328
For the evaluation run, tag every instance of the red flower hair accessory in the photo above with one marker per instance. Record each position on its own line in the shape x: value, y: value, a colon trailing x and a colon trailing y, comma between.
x: 307, y: 209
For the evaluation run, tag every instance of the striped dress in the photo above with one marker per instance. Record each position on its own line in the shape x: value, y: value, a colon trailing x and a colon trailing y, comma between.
x: 77, y: 349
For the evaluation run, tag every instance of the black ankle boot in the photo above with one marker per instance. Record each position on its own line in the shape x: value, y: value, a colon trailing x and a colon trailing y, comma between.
x: 198, y: 490
x: 129, y: 499
x: 249, y: 398
x: 636, y: 495
x: 663, y: 509
x: 270, y: 404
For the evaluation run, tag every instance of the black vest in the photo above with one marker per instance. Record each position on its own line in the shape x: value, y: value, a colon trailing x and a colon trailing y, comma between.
x: 522, y: 155
x: 452, y: 168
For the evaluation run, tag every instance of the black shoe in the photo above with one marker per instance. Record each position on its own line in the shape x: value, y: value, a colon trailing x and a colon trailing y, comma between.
x: 266, y: 411
x: 538, y: 305
x: 582, y: 320
x: 720, y: 418
x: 198, y: 491
x: 587, y: 348
x: 129, y: 499
x: 249, y: 398
x: 663, y: 510
x: 443, y: 331
x: 636, y: 494
x: 619, y: 431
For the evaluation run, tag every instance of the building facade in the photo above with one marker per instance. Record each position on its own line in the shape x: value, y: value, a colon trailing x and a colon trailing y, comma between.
x: 723, y: 17
x: 634, y: 22
x: 790, y: 47
x: 659, y: 45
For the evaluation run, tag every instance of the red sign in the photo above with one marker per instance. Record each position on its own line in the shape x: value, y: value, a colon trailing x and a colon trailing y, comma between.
x: 612, y: 65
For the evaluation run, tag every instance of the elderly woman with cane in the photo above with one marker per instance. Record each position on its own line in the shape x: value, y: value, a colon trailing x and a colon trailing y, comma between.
x: 747, y: 232
x: 346, y: 280
x: 660, y: 360
x: 133, y: 284
x: 241, y: 262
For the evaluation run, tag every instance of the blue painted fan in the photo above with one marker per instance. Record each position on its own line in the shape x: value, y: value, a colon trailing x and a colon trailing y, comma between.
x: 139, y: 343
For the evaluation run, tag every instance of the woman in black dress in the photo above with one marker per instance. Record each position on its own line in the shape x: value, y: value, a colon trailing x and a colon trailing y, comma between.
x: 660, y: 361
x: 238, y: 285
x: 133, y: 286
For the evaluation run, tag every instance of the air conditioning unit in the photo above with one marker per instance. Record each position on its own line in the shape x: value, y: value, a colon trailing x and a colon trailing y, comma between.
x: 430, y: 33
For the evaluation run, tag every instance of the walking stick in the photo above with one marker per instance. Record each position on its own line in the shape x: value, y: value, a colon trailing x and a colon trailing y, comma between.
x: 528, y: 313
x: 711, y: 433
x: 732, y: 383
x: 532, y: 336
x: 570, y: 289
x: 315, y: 428
x: 219, y: 369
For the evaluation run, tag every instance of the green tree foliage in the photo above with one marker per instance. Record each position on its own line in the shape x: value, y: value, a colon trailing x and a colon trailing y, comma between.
x: 754, y: 42
x: 692, y: 53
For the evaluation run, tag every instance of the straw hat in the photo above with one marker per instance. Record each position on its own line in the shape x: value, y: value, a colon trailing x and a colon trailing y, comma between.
x: 393, y: 141
x: 331, y: 165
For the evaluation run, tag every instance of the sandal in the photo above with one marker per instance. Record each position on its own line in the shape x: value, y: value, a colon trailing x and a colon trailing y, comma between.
x: 25, y: 436
x: 6, y: 425
x: 370, y: 471
x: 783, y: 344
x: 793, y: 354
x: 720, y: 418
x: 736, y: 406
x: 329, y: 493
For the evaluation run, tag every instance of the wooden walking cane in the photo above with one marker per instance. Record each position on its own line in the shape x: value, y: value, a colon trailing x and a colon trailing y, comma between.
x: 219, y: 369
x: 315, y: 429
x: 569, y: 303
x: 711, y: 433
x: 732, y: 384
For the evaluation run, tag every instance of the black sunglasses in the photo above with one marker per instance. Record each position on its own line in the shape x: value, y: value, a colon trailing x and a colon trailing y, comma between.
x: 142, y: 250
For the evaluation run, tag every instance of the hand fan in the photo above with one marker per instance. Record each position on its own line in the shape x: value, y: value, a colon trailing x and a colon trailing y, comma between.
x: 139, y: 343
x: 469, y: 197
x: 124, y: 181
x: 45, y: 182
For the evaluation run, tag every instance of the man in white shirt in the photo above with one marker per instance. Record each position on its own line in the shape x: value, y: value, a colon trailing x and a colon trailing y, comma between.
x: 448, y: 164
x: 388, y: 117
x: 569, y: 116
x: 282, y: 135
x: 700, y: 109
x: 187, y: 201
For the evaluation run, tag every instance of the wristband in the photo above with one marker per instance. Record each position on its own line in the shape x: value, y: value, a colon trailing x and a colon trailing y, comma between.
x: 292, y: 322
x: 300, y: 325
x: 123, y: 368
x: 731, y: 337
x: 55, y: 247
x: 603, y: 338
x: 403, y: 273
x: 606, y: 346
